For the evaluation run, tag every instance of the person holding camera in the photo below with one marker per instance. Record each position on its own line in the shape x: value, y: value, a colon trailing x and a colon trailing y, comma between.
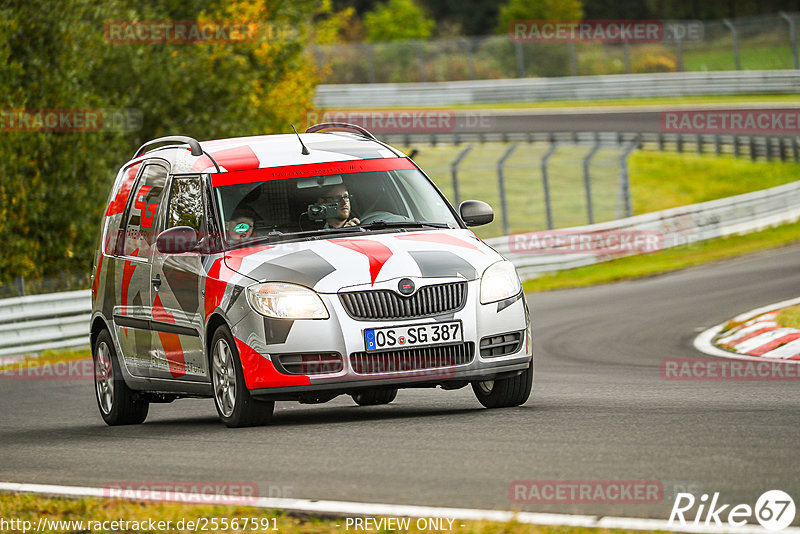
x: 337, y: 194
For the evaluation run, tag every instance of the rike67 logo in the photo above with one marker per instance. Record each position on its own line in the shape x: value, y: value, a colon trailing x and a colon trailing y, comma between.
x: 774, y: 510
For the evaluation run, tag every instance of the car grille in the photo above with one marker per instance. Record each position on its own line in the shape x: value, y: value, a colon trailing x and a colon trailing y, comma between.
x: 310, y: 363
x: 501, y: 345
x: 415, y: 359
x: 385, y: 304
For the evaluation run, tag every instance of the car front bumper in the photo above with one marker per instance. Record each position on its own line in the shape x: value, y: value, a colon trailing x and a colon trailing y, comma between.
x: 269, y: 339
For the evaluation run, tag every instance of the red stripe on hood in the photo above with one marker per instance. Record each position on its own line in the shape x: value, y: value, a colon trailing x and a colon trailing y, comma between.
x: 376, y: 252
x: 442, y: 239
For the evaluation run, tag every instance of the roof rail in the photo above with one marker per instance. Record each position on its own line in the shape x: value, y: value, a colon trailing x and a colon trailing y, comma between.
x: 173, y: 139
x: 194, y: 146
x: 341, y: 127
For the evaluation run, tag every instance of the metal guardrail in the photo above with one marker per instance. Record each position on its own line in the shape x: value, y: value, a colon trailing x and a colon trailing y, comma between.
x: 677, y: 226
x: 61, y: 320
x: 769, y: 147
x: 41, y: 322
x: 667, y: 84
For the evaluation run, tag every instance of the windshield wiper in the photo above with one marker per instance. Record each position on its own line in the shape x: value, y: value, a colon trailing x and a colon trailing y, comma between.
x: 377, y: 225
x: 276, y: 235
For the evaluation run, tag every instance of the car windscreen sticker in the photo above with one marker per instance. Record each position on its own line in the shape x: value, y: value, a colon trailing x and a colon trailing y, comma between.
x: 241, y: 228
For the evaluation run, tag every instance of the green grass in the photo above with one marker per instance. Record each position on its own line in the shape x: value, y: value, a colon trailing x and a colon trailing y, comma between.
x: 659, y: 180
x: 789, y: 317
x: 663, y: 180
x: 753, y: 56
x: 28, y: 507
x: 632, y: 102
x: 523, y: 181
x: 668, y: 260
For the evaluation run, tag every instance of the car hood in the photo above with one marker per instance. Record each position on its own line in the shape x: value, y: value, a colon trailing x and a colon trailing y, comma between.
x: 328, y: 265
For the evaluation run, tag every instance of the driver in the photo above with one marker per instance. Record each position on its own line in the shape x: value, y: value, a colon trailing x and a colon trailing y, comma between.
x: 337, y: 194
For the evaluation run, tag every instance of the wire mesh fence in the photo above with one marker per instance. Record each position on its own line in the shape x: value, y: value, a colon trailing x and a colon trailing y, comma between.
x: 522, y: 202
x: 757, y: 43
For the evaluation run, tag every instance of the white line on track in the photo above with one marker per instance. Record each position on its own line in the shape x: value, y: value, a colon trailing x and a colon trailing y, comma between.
x: 703, y: 342
x: 344, y: 509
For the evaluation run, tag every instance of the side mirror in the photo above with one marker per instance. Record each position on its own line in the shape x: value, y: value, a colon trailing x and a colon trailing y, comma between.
x: 475, y: 212
x: 177, y: 240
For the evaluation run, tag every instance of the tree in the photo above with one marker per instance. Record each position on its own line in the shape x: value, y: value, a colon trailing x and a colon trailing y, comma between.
x: 53, y: 185
x: 538, y: 10
x: 397, y: 20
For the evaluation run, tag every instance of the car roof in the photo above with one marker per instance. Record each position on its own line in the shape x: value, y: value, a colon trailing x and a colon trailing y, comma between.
x: 264, y: 151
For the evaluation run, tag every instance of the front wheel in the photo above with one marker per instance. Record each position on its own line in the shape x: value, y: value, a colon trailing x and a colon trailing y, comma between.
x: 512, y: 391
x: 374, y: 397
x: 235, y: 406
x: 119, y: 405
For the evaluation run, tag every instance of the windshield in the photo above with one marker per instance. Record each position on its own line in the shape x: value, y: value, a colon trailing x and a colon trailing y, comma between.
x: 330, y: 203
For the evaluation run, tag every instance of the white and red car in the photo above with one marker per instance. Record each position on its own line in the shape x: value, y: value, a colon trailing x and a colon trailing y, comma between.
x: 296, y: 267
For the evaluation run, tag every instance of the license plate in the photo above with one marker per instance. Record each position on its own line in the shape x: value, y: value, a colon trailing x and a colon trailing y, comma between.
x: 419, y: 335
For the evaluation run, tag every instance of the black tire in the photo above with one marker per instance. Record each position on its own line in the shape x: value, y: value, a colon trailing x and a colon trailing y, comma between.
x: 118, y: 404
x: 239, y: 408
x: 374, y: 397
x: 512, y: 391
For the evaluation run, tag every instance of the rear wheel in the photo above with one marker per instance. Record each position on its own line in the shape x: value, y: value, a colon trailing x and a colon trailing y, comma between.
x: 235, y: 406
x: 512, y: 391
x: 374, y: 397
x: 119, y: 405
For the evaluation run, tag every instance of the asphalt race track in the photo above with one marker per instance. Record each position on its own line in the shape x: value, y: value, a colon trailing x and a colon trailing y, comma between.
x: 639, y: 119
x: 600, y: 411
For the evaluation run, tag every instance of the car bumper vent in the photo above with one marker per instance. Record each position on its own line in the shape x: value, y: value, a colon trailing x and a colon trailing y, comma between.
x: 384, y: 304
x: 415, y: 359
x: 501, y: 345
x: 309, y: 364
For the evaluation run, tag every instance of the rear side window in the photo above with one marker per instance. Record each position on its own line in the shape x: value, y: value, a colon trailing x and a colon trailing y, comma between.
x: 143, y: 208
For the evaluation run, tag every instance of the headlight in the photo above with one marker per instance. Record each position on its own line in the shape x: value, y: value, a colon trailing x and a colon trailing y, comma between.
x: 286, y: 301
x: 499, y: 281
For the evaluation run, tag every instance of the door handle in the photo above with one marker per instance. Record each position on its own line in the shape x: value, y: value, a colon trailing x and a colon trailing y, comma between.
x: 156, y: 281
